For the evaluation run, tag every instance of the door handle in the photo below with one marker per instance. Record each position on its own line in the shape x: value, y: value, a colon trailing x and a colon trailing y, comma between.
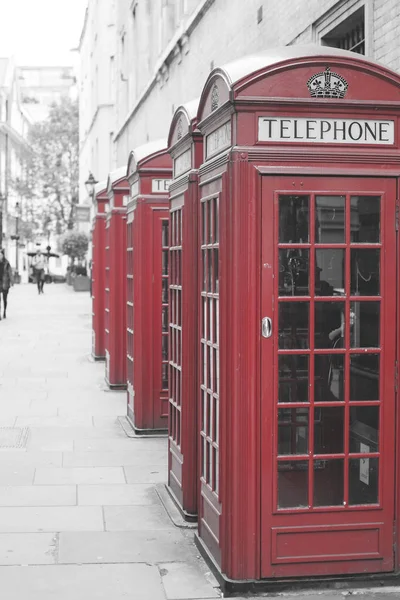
x: 266, y: 327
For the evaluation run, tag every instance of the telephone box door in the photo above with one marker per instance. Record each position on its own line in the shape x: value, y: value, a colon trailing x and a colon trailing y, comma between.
x: 327, y: 377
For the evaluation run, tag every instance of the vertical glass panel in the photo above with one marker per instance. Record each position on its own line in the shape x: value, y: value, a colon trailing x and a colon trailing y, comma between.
x: 364, y: 377
x: 329, y: 378
x: 164, y: 291
x: 363, y: 481
x: 329, y: 272
x: 328, y: 430
x: 329, y: 219
x: 165, y: 318
x: 209, y: 270
x: 329, y: 325
x: 365, y: 272
x: 164, y: 377
x: 293, y: 219
x: 365, y: 219
x: 293, y: 378
x: 292, y: 431
x: 165, y: 347
x: 203, y: 223
x: 293, y: 325
x: 204, y: 266
x: 216, y: 220
x: 364, y: 428
x: 165, y: 226
x: 328, y: 482
x: 293, y: 484
x: 216, y: 271
x: 294, y: 272
x: 364, y: 324
x: 165, y: 262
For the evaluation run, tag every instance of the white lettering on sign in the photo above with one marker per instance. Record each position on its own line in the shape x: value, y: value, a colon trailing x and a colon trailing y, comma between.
x: 160, y: 185
x: 183, y: 163
x: 326, y: 131
x: 135, y: 188
x: 219, y: 139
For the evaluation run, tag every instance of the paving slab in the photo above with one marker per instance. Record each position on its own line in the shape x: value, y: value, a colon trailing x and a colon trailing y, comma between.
x: 38, y: 495
x: 27, y: 549
x: 23, y: 458
x: 146, y: 474
x: 117, y: 495
x: 136, y: 518
x: 82, y: 582
x: 51, y: 518
x: 18, y: 475
x: 77, y: 421
x: 89, y: 475
x: 184, y: 581
x: 110, y: 444
x: 117, y: 458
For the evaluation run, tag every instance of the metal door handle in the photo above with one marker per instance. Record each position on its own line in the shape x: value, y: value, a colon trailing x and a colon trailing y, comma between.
x: 266, y: 327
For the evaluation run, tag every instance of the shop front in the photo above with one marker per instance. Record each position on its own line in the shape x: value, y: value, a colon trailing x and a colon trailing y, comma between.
x: 298, y: 308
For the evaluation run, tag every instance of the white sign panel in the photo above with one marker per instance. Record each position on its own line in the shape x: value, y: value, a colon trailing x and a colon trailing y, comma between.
x: 364, y: 465
x: 160, y: 185
x: 135, y: 188
x: 325, y: 131
x: 219, y: 139
x: 183, y: 163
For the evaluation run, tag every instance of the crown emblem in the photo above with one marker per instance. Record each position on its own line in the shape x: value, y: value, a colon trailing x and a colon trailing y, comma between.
x: 327, y: 85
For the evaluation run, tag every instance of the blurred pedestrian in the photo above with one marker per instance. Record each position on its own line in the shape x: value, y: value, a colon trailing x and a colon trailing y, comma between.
x: 39, y: 265
x: 6, y: 281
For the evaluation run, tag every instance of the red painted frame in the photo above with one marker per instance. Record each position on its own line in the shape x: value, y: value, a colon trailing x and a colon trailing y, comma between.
x: 115, y: 285
x: 149, y: 173
x: 98, y: 273
x: 231, y: 521
x: 186, y: 148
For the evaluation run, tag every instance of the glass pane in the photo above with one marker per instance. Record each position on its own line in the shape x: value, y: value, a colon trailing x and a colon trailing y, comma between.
x: 329, y: 324
x: 365, y: 272
x: 363, y: 481
x: 293, y: 325
x: 329, y: 378
x: 293, y: 219
x: 364, y: 428
x: 365, y: 219
x: 293, y: 272
x: 364, y: 377
x: 364, y: 324
x: 329, y: 219
x: 164, y: 298
x: 293, y: 484
x: 292, y: 431
x: 165, y: 347
x: 328, y: 482
x: 165, y: 227
x: 329, y: 272
x: 293, y: 378
x: 328, y: 430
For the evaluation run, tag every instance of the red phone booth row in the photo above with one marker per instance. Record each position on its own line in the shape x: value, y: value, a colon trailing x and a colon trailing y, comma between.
x: 283, y: 240
x: 98, y: 270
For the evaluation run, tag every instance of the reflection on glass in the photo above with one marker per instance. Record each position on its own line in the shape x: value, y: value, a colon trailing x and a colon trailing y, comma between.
x: 329, y: 324
x: 164, y: 298
x: 293, y: 219
x: 363, y: 481
x: 165, y: 347
x: 364, y: 324
x: 293, y: 378
x: 328, y: 430
x: 292, y: 431
x: 329, y: 272
x: 293, y: 272
x: 293, y: 325
x: 164, y: 377
x: 165, y: 227
x: 329, y: 219
x: 364, y: 377
x: 365, y: 272
x: 293, y: 484
x: 164, y: 314
x: 328, y: 482
x: 364, y: 428
x: 165, y: 262
x: 365, y: 219
x: 329, y: 378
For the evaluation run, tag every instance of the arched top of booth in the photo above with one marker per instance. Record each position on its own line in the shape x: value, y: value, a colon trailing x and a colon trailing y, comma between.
x: 313, y: 73
x: 153, y: 155
x: 117, y: 179
x: 100, y: 191
x: 183, y: 122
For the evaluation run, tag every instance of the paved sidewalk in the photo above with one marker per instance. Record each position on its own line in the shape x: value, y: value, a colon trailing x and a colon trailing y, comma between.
x: 80, y: 518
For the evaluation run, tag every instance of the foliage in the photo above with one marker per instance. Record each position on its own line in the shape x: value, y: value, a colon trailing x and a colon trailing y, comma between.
x: 49, y: 186
x: 75, y: 245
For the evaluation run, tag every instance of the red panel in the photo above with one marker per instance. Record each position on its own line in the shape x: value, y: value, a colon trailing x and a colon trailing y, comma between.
x: 98, y: 277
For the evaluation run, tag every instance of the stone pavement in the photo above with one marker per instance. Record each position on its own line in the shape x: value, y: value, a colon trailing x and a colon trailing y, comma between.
x: 80, y: 517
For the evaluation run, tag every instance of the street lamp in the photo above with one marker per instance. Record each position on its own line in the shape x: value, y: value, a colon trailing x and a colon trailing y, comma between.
x: 90, y: 184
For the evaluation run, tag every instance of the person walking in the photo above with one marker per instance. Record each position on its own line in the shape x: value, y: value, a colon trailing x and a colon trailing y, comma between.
x: 6, y: 281
x: 39, y: 264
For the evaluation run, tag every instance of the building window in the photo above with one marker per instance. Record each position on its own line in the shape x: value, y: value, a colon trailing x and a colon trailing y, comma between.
x: 347, y: 26
x: 349, y: 35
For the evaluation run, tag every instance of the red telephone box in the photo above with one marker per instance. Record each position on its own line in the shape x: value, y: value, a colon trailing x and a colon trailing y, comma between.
x: 149, y: 175
x: 98, y: 271
x: 185, y: 147
x: 298, y: 309
x: 115, y: 284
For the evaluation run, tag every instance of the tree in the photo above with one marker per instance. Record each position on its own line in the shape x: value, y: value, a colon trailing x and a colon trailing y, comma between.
x: 75, y: 244
x: 50, y: 185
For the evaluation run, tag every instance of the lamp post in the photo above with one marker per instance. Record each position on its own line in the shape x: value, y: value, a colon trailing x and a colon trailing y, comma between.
x: 90, y: 185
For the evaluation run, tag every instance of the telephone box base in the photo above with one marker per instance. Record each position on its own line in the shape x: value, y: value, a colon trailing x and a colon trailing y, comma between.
x: 115, y: 386
x: 145, y: 432
x: 230, y: 587
x: 186, y: 516
x: 98, y: 358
